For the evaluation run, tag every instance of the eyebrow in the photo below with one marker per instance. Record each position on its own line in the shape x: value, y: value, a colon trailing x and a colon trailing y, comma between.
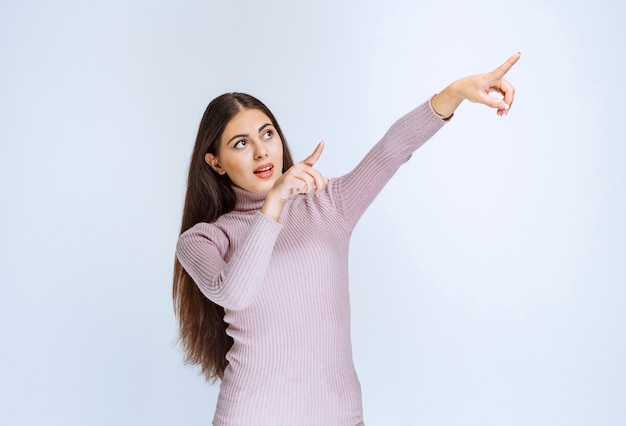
x: 243, y: 135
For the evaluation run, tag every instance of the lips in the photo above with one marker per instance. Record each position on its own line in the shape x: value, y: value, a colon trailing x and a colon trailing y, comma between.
x: 264, y: 171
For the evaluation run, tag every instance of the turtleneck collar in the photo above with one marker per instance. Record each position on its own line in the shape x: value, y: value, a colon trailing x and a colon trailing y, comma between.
x: 247, y: 201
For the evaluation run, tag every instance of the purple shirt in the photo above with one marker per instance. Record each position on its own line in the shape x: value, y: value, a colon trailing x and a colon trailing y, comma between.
x: 284, y: 289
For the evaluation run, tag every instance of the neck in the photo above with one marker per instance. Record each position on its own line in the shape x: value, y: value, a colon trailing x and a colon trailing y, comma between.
x: 248, y: 201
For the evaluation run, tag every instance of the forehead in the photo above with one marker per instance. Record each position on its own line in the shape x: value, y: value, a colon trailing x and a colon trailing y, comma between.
x: 247, y: 121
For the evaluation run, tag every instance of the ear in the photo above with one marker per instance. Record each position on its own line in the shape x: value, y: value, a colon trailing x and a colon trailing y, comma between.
x: 213, y: 161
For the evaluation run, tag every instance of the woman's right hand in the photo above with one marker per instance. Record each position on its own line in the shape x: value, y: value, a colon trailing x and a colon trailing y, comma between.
x: 301, y: 178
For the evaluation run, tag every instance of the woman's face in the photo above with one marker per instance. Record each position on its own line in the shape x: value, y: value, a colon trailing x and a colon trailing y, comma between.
x: 251, y: 152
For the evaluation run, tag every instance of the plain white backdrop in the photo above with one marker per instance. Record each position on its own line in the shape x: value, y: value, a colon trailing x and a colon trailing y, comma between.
x: 488, y: 280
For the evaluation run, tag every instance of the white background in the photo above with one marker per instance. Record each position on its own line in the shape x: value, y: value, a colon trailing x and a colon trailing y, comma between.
x: 487, y: 280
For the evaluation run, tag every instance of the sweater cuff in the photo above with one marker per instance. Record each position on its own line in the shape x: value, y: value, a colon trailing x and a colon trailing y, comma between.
x: 441, y: 117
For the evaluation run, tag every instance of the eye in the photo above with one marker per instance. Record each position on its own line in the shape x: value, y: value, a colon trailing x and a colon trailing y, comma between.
x: 240, y: 144
x: 268, y: 134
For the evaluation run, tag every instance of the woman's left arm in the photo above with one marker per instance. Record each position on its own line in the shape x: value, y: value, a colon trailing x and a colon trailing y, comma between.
x: 476, y: 88
x: 352, y: 193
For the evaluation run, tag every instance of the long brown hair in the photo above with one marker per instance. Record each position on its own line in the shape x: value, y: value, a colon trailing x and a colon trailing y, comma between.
x: 202, y: 330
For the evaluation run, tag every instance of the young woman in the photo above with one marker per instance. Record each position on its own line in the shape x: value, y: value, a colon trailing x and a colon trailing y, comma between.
x: 261, y: 276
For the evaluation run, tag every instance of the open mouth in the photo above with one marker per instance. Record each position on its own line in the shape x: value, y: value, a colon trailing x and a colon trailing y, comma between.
x: 264, y: 171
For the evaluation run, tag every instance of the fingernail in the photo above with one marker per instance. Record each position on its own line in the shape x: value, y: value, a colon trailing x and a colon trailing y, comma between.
x: 502, y: 105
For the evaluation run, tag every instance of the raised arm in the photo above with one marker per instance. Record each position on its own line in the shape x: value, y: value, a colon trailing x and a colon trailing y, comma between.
x: 355, y: 191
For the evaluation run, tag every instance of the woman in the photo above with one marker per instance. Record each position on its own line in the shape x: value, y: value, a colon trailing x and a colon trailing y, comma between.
x: 261, y: 276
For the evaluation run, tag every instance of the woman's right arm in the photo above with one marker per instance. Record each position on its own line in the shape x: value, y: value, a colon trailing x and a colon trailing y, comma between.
x: 232, y: 284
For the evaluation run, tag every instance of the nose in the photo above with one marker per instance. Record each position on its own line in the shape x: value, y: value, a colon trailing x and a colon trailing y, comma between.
x: 260, y: 151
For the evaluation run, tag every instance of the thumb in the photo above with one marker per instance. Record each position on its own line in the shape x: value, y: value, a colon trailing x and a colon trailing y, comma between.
x: 312, y: 159
x: 493, y: 102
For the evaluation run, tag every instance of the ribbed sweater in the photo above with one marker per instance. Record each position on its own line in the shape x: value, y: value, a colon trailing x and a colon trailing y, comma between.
x: 284, y: 289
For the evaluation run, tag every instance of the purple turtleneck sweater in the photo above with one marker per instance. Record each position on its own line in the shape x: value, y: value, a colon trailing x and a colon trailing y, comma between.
x: 284, y: 289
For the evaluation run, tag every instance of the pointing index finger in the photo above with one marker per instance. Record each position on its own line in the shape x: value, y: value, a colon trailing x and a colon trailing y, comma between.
x: 506, y: 66
x: 312, y: 159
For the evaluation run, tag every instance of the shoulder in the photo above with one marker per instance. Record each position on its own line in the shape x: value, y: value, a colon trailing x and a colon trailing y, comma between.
x: 202, y: 234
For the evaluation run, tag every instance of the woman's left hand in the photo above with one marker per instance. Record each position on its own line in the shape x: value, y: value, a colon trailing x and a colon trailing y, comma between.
x: 476, y: 88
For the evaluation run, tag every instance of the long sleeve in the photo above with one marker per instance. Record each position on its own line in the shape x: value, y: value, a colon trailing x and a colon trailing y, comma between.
x: 231, y: 283
x: 355, y: 191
